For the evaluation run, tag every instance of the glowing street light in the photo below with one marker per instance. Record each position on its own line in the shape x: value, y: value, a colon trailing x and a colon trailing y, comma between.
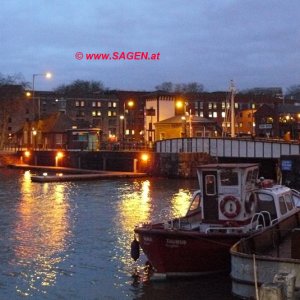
x: 59, y: 156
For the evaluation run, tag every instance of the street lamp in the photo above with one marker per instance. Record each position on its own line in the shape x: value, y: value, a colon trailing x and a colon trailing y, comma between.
x: 129, y: 104
x: 47, y: 75
x: 122, y: 130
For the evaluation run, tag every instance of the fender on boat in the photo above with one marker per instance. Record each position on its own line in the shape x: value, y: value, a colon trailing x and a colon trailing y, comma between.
x: 135, y: 249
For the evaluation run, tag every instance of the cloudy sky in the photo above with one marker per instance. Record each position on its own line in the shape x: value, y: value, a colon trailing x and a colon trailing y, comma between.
x: 254, y: 42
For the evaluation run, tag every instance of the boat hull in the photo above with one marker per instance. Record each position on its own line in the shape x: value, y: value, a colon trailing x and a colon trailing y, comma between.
x: 269, y: 260
x: 182, y: 253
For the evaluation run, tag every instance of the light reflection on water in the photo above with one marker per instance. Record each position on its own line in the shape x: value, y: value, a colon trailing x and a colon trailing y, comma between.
x: 40, y: 234
x: 72, y: 240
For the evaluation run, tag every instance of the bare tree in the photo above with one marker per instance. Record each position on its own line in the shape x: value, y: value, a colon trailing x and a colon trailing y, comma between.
x: 192, y: 87
x: 166, y: 86
x: 80, y: 88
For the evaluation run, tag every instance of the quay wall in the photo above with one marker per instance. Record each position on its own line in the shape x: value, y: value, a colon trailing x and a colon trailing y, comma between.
x: 176, y: 165
x: 180, y: 165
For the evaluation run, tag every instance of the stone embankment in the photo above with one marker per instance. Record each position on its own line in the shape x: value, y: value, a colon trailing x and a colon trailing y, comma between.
x: 180, y: 165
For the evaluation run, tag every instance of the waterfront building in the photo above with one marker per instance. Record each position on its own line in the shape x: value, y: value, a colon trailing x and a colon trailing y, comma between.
x: 129, y: 118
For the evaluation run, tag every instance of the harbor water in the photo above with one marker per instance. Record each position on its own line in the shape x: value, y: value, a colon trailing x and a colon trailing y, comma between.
x: 71, y: 240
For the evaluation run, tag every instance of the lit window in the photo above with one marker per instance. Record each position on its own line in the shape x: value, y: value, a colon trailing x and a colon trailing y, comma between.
x: 93, y: 113
x: 236, y: 105
x: 114, y: 104
x: 223, y: 105
x: 109, y: 113
x: 201, y: 114
x: 209, y: 105
x: 98, y: 113
x: 93, y: 104
x: 109, y: 104
x: 223, y: 114
x: 98, y: 104
x: 215, y: 114
x: 215, y: 105
x: 210, y: 114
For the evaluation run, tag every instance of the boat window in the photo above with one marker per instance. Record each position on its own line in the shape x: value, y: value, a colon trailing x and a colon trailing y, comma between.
x: 265, y: 202
x: 210, y: 185
x: 229, y: 177
x: 282, y: 205
x: 289, y: 201
x: 196, y: 202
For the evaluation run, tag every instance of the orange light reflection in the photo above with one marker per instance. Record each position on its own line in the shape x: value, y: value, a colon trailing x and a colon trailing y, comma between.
x: 40, y: 233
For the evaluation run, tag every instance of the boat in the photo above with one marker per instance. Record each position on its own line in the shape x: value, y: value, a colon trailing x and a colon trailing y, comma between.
x: 272, y: 253
x: 225, y: 209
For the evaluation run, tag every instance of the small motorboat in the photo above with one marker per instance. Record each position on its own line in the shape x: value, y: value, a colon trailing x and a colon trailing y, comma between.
x: 269, y: 254
x: 228, y: 206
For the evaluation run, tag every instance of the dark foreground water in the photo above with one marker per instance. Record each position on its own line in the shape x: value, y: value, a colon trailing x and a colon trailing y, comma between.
x: 72, y: 240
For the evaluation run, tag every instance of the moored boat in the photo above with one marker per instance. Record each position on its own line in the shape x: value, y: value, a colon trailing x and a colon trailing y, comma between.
x: 225, y: 209
x: 270, y: 253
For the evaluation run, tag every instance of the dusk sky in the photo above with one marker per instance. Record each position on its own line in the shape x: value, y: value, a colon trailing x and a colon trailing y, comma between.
x: 256, y: 43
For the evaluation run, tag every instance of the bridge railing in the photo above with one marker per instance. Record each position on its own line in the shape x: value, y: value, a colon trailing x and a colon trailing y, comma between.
x: 229, y: 147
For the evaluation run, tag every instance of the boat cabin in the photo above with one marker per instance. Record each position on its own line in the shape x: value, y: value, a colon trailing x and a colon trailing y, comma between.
x: 226, y: 192
x: 232, y: 194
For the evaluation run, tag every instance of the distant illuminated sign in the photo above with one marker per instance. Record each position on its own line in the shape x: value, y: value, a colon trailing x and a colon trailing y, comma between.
x: 286, y: 165
x: 265, y: 126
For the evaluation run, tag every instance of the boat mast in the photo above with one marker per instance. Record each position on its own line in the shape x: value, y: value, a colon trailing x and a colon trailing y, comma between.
x: 232, y: 116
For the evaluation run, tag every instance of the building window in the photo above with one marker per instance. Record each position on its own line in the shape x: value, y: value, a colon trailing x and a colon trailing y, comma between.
x: 111, y: 113
x: 223, y: 105
x: 96, y: 113
x: 210, y: 105
x: 215, y: 114
x: 210, y: 114
x: 112, y: 104
x: 79, y: 103
x: 215, y: 105
x: 201, y: 105
x: 201, y: 114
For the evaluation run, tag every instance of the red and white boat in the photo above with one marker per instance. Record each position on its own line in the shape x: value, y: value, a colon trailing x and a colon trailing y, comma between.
x: 224, y: 210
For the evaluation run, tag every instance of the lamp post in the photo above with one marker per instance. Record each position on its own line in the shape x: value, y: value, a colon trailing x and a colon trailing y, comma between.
x: 122, y: 129
x: 46, y: 75
x: 130, y: 104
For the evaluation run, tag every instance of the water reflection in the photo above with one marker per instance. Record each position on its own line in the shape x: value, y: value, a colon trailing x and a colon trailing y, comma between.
x: 40, y: 234
x: 142, y: 203
x: 180, y: 202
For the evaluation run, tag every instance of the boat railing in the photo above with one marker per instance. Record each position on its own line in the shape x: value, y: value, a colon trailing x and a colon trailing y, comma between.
x: 261, y: 220
x: 174, y: 223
